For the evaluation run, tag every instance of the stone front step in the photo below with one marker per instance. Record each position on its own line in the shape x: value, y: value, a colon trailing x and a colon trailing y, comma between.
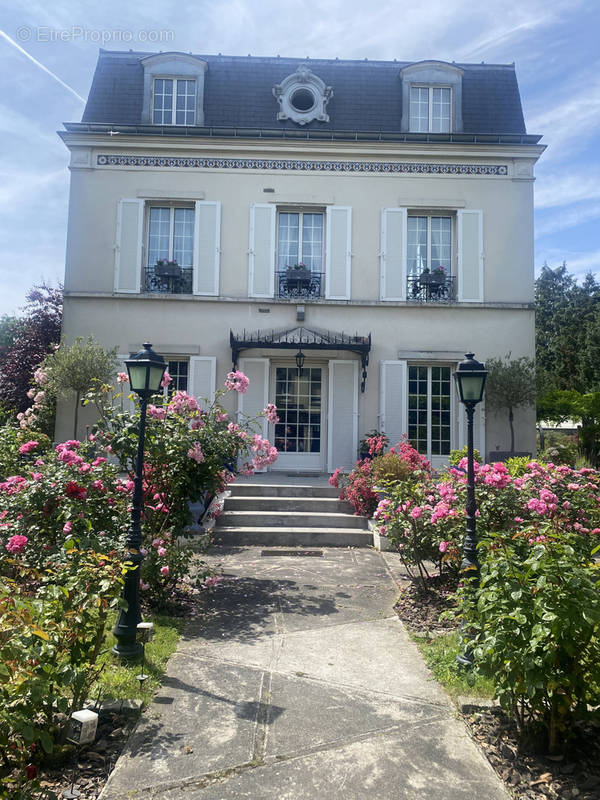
x: 324, y: 505
x: 287, y: 519
x: 281, y: 490
x: 288, y: 537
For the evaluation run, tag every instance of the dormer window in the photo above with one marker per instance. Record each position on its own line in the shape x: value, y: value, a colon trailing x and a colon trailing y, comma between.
x: 174, y: 101
x: 432, y: 97
x: 173, y: 89
x: 430, y: 109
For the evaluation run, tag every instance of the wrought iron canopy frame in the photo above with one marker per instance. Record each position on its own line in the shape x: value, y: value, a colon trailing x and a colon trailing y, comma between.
x: 305, y: 339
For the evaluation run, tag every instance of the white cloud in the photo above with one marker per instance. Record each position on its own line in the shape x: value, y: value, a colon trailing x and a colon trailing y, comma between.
x: 562, y: 190
x: 567, y: 218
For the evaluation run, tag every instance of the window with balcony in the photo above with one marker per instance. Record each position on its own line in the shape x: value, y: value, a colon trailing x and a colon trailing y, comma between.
x: 174, y: 101
x: 429, y: 258
x: 300, y: 253
x: 170, y: 250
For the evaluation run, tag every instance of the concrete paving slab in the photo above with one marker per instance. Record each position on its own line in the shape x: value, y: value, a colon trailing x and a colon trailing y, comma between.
x: 428, y: 763
x: 300, y: 683
x: 175, y: 739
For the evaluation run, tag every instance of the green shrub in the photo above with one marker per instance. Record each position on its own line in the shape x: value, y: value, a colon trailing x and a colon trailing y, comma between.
x: 390, y: 467
x: 517, y: 465
x: 457, y: 455
x: 537, y: 624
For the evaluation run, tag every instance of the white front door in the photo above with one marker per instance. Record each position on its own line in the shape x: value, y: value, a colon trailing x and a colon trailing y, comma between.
x: 300, y: 399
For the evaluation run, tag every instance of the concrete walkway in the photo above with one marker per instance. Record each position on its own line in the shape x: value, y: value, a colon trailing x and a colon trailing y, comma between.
x: 300, y: 683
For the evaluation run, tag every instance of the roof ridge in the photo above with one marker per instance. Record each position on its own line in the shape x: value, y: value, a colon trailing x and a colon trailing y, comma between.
x: 303, y: 59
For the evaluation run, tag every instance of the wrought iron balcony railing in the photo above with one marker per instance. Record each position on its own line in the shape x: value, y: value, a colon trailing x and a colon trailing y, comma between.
x: 299, y: 284
x: 431, y: 288
x: 178, y: 283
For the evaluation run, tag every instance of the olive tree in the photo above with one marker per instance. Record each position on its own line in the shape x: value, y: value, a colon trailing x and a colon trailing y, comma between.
x: 510, y: 384
x: 75, y: 369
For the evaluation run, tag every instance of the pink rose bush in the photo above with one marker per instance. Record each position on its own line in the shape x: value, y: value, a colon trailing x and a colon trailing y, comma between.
x: 192, y: 451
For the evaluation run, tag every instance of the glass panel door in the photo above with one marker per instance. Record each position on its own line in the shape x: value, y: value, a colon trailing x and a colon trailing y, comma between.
x: 299, y: 432
x: 429, y: 412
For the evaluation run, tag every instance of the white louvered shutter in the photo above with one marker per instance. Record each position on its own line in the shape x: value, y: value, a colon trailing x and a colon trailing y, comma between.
x: 394, y: 400
x: 338, y: 249
x: 202, y: 379
x: 261, y: 252
x: 342, y: 434
x: 207, y: 247
x: 470, y: 256
x: 128, y: 246
x: 393, y: 253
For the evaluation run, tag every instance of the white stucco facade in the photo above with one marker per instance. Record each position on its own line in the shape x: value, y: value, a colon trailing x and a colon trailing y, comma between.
x: 366, y: 191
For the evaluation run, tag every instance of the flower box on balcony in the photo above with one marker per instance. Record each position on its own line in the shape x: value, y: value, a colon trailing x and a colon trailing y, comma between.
x: 298, y: 274
x: 432, y: 277
x: 167, y: 269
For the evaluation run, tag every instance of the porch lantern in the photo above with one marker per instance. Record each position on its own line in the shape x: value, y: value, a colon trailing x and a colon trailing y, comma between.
x: 146, y: 370
x: 470, y: 382
x: 300, y: 362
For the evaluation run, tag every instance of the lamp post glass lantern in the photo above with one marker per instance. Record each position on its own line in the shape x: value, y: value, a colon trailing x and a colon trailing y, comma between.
x: 300, y: 362
x: 470, y: 379
x: 146, y: 370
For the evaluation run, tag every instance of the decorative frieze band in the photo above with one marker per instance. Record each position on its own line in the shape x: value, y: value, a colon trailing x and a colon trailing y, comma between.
x: 295, y: 165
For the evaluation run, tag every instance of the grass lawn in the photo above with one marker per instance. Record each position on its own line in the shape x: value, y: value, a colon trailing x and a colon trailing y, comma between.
x: 440, y: 654
x: 118, y: 679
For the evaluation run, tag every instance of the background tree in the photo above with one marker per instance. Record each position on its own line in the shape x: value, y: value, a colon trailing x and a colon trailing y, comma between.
x: 24, y: 343
x: 510, y: 384
x: 74, y: 369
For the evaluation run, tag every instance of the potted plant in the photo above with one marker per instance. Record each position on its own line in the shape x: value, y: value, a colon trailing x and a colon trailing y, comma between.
x: 298, y: 272
x: 372, y: 444
x: 437, y: 275
x: 167, y: 268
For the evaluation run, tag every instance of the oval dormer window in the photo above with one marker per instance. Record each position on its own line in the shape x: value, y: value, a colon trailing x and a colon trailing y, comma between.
x: 303, y: 97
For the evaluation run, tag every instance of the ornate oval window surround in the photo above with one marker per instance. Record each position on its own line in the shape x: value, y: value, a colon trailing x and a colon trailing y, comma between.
x: 303, y: 97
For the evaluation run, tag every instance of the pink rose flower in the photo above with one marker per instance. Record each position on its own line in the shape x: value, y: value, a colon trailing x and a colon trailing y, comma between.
x: 164, y: 571
x: 161, y: 551
x: 16, y: 544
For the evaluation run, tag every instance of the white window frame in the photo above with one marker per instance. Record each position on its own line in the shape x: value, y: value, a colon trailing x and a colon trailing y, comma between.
x: 169, y: 389
x: 175, y: 79
x: 429, y: 215
x: 301, y: 210
x: 430, y: 88
x: 451, y: 411
x: 171, y: 206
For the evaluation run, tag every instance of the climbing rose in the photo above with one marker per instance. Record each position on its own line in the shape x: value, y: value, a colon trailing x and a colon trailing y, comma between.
x: 166, y: 380
x: 196, y: 453
x: 270, y: 413
x: 164, y: 571
x: 16, y: 544
x: 237, y: 381
x: 25, y: 448
x: 122, y: 377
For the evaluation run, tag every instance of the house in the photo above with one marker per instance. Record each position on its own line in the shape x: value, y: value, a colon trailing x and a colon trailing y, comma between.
x: 341, y: 231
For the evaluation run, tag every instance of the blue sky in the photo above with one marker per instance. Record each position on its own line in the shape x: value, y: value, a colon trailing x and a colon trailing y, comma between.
x: 554, y: 44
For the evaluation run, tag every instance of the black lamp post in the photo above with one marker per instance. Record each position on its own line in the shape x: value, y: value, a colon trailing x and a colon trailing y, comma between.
x: 470, y: 381
x: 300, y: 362
x: 146, y: 370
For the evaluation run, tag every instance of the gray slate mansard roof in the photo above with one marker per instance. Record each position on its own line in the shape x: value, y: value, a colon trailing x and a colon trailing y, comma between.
x: 367, y: 95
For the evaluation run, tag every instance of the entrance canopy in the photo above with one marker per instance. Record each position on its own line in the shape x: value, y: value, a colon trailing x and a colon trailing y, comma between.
x: 301, y: 338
